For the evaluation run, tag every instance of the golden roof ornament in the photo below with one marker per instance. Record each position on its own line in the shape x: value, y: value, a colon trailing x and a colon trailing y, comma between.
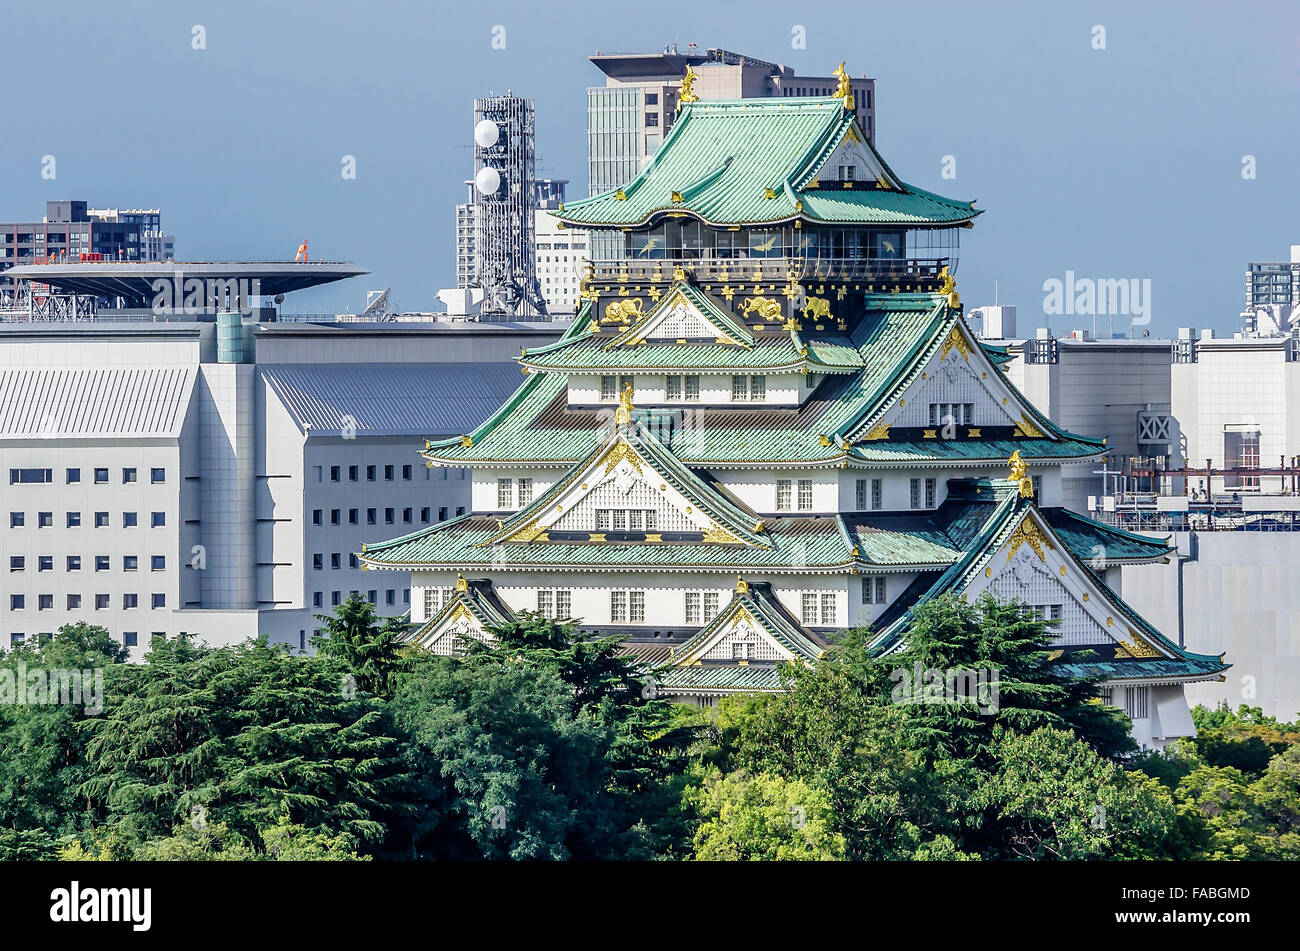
x: 688, y: 90
x: 461, y: 583
x: 844, y: 90
x: 623, y: 415
x: 948, y: 286
x: 742, y: 586
x: 1020, y: 473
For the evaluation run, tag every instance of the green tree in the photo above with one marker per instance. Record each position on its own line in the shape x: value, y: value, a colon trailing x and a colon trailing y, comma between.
x: 371, y: 651
x: 1051, y: 796
x: 239, y: 735
x: 763, y: 818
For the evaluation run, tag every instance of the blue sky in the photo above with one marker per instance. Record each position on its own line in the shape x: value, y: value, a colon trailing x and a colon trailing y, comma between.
x: 1117, y: 163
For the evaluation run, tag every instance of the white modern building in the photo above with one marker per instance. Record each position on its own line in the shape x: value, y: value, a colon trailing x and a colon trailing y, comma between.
x: 155, y: 482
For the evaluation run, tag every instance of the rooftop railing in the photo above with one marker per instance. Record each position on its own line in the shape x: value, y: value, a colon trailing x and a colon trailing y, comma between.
x: 875, y: 270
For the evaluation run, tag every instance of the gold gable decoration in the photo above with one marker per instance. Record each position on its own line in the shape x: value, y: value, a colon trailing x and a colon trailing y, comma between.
x: 1135, y: 648
x: 1027, y: 429
x: 955, y: 341
x: 623, y: 415
x: 948, y: 286
x: 1027, y: 533
x: 879, y: 431
x: 622, y: 311
x: 461, y: 583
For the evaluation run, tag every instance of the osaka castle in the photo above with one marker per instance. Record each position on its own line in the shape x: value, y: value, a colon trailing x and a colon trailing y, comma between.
x: 769, y: 422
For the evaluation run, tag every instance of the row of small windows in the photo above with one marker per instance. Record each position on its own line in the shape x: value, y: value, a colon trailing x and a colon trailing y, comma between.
x: 627, y: 607
x: 686, y: 388
x: 390, y: 597
x: 129, y: 638
x: 870, y: 495
x: 390, y: 515
x: 784, y: 492
x: 102, y: 563
x: 45, y: 602
x: 372, y: 473
x: 73, y: 519
x: 809, y: 605
x: 513, y: 493
x: 952, y: 414
x: 73, y: 476
x: 626, y: 520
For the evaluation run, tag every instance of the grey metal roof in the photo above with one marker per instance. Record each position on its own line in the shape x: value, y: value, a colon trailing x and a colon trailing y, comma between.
x: 136, y: 278
x: 112, y: 402
x: 392, y: 399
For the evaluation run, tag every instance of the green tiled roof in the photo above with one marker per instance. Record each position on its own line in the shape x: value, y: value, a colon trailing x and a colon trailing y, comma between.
x: 800, y: 544
x: 722, y: 160
x: 1006, y: 514
x: 482, y: 601
x: 591, y: 352
x: 1087, y: 538
x: 749, y: 678
x: 705, y: 304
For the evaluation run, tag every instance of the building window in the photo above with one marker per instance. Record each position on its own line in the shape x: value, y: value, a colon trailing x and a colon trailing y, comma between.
x: 388, y: 473
x: 808, y: 608
x: 783, y: 487
x: 74, y: 520
x: 442, y: 513
x: 930, y: 486
x: 672, y: 388
x: 157, y: 519
x: 873, y: 589
x: 128, y: 476
x: 158, y: 563
x: 17, y: 602
x: 101, y: 602
x: 45, y: 563
x: 317, y: 516
x: 931, y: 490
x: 1241, y: 451
x: 74, y: 563
x: 157, y: 476
x: 951, y: 414
x: 1136, y: 701
x: 336, y: 560
x: 627, y: 607
x: 505, y: 493
x: 336, y: 473
x: 130, y: 562
x: 17, y: 562
x: 805, y: 495
x: 390, y: 515
x: 101, y: 563
x: 828, y: 609
x: 30, y: 476
x: 354, y: 473
x: 371, y: 516
x: 129, y: 520
x: 407, y: 515
x: 101, y: 520
x: 425, y: 514
x: 317, y: 599
x: 739, y: 389
x: 525, y: 491
x: 45, y: 519
x: 406, y: 473
x: 130, y: 601
x: 73, y: 475
x: 101, y: 477
x: 608, y: 389
x: 757, y: 388
x: 318, y: 561
x: 17, y: 519
x: 130, y: 638
x: 158, y: 600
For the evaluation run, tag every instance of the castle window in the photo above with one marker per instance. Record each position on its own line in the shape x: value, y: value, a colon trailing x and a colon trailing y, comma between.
x: 873, y: 589
x: 951, y: 414
x: 808, y: 609
x: 525, y: 491
x: 828, y: 609
x: 783, y: 495
x: 805, y: 495
x: 1136, y: 701
x: 608, y: 389
x: 505, y: 493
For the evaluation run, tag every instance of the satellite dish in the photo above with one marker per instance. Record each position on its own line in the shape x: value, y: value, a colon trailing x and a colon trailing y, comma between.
x: 486, y: 134
x: 488, y: 180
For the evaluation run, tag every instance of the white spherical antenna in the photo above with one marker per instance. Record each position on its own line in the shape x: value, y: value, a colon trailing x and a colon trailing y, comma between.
x: 486, y: 134
x: 488, y: 180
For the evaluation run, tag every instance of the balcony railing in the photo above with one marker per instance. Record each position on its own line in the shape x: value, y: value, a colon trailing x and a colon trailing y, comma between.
x: 874, y: 270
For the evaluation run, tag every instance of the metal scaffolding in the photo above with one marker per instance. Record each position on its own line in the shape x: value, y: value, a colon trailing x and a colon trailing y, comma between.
x: 505, y: 263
